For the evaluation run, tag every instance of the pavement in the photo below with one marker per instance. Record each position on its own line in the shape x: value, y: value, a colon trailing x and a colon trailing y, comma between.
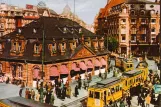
x: 9, y: 90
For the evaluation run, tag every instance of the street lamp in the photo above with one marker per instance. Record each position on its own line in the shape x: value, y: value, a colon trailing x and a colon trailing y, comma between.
x: 160, y: 67
x: 42, y: 74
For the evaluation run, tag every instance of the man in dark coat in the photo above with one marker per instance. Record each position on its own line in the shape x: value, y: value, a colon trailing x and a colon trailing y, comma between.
x: 76, y: 91
x: 48, y: 97
x: 20, y: 92
x: 128, y: 100
x: 139, y: 99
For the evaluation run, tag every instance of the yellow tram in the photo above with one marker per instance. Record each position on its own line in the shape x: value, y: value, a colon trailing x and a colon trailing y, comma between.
x: 112, y: 89
x: 124, y: 64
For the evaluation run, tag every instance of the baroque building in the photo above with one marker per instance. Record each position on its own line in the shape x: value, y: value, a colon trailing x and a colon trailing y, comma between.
x: 52, y: 48
x: 134, y: 23
x: 12, y: 17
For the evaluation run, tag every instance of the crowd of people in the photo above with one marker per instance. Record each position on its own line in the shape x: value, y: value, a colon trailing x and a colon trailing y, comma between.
x: 48, y: 92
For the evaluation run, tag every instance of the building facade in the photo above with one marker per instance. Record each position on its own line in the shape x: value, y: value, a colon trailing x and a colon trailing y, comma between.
x: 134, y: 23
x: 66, y: 51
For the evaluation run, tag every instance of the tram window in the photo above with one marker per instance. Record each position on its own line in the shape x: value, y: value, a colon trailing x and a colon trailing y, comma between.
x: 112, y: 90
x: 130, y: 65
x: 117, y: 88
x: 109, y: 93
x: 97, y: 95
x: 91, y: 94
x: 126, y: 83
x: 120, y: 87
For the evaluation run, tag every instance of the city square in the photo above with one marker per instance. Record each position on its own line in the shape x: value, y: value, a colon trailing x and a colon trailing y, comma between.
x: 50, y: 59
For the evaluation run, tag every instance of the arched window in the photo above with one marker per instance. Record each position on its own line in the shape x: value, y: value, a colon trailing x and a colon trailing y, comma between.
x: 142, y: 12
x: 132, y: 12
x: 36, y: 48
x: 20, y: 70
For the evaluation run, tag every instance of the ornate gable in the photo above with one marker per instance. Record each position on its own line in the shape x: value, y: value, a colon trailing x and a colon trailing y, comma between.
x: 82, y: 53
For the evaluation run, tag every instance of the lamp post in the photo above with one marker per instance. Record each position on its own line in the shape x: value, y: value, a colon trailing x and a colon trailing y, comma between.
x: 42, y: 74
x: 160, y: 67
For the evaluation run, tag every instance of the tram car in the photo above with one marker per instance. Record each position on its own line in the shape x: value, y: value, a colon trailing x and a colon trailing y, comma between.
x: 124, y: 64
x: 113, y: 89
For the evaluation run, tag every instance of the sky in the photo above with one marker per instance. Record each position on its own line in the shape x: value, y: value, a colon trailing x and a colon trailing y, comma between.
x: 85, y: 9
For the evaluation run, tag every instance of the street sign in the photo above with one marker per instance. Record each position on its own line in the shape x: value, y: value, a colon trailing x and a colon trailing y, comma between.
x: 157, y: 89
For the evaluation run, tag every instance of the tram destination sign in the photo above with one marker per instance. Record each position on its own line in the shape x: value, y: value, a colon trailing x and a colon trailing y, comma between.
x: 157, y: 89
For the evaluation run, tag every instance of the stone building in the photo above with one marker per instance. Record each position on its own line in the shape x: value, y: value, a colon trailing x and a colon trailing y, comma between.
x: 66, y: 51
x: 12, y: 17
x: 134, y: 23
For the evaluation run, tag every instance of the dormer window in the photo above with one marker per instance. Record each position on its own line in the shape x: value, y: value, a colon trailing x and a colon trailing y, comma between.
x: 19, y: 47
x: 73, y: 45
x: 80, y: 30
x: 0, y: 47
x: 65, y: 30
x: 19, y: 31
x: 54, y: 48
x: 88, y: 43
x: 36, y: 48
x: 62, y: 47
x: 95, y: 44
x: 34, y: 30
x: 14, y: 46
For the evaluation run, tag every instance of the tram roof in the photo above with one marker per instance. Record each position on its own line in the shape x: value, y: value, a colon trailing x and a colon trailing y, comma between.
x: 132, y: 72
x: 106, y: 83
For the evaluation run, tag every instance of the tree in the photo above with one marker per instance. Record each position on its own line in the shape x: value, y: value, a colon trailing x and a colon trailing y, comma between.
x: 112, y: 43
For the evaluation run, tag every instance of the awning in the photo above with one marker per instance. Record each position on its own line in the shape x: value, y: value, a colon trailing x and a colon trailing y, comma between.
x: 83, y: 66
x: 53, y: 71
x: 97, y: 63
x: 103, y: 62
x: 89, y: 64
x: 64, y: 69
x: 36, y: 73
x: 74, y: 67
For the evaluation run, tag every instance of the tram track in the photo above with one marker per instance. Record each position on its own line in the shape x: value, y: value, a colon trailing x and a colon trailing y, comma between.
x: 75, y: 103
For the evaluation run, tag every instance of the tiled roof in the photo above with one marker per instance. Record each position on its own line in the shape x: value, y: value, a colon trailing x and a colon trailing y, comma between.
x: 52, y: 26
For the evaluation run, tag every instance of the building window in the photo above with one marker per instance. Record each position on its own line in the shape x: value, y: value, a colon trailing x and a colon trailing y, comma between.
x: 14, y: 46
x: 142, y: 6
x: 132, y: 12
x: 143, y: 21
x: 153, y: 39
x: 132, y: 6
x: 19, y: 47
x: 63, y: 46
x: 123, y: 21
x: 1, y: 34
x: 133, y: 37
x: 36, y: 48
x: 0, y: 68
x: 133, y: 31
x: 153, y: 30
x: 143, y: 37
x: 20, y: 71
x: 142, y: 12
x: 133, y: 21
x: 143, y: 31
x: 88, y: 43
x: 0, y: 47
x: 54, y: 48
x: 123, y: 38
x: 153, y: 21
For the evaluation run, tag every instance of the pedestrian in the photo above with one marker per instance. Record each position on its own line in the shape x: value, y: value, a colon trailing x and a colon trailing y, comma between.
x: 63, y: 93
x: 37, y: 97
x: 142, y: 101
x: 52, y: 98
x: 68, y: 92
x: 84, y: 84
x: 26, y: 93
x: 128, y: 100
x: 48, y: 97
x: 76, y: 91
x: 148, y: 100
x: 79, y: 83
x: 7, y: 81
x: 139, y: 99
x: 20, y: 92
x: 29, y: 94
x: 122, y: 104
x: 32, y: 94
